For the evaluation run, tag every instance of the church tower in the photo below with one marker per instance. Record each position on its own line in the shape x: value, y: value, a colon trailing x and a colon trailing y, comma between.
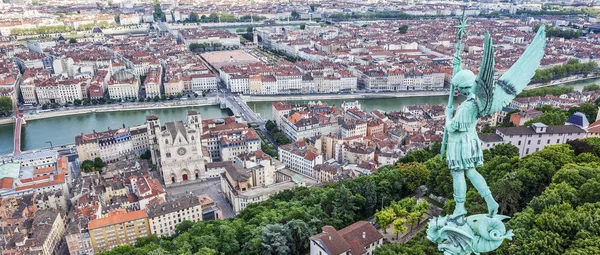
x: 153, y: 128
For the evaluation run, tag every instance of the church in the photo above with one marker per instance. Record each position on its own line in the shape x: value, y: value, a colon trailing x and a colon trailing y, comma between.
x: 176, y: 148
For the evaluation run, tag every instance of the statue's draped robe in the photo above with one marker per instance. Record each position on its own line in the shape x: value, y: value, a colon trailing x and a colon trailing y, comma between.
x: 464, y: 148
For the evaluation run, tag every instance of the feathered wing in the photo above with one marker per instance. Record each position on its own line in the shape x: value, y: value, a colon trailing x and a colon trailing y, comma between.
x: 484, y: 89
x: 511, y: 83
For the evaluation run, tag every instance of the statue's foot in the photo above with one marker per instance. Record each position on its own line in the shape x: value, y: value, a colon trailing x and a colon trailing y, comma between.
x: 459, y: 211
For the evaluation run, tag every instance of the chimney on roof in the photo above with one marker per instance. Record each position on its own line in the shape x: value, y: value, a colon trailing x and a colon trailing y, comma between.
x: 123, y: 125
x: 329, y: 238
x: 364, y: 235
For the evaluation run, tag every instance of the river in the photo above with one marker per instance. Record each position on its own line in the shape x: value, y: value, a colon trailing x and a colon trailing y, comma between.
x: 62, y: 130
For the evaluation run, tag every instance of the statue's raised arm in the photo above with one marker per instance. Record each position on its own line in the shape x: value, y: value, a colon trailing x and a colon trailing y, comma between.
x: 493, y: 96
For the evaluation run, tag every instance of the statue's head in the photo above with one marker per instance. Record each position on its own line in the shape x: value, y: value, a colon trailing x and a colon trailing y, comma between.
x: 464, y: 81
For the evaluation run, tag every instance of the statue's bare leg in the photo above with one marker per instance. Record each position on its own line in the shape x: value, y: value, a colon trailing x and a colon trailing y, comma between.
x: 483, y: 189
x: 460, y: 193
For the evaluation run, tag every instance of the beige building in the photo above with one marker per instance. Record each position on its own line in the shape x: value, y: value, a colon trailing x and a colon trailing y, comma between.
x: 60, y: 91
x: 153, y: 82
x: 118, y: 228
x: 112, y: 145
x: 163, y: 218
x: 42, y: 237
x: 174, y: 86
x: 255, y: 84
x: 353, y: 128
x: 242, y: 188
x: 357, y: 154
x: 78, y: 237
x: 124, y: 85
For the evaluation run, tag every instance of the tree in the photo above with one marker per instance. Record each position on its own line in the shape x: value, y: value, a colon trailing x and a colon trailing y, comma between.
x: 398, y: 226
x: 193, y: 17
x: 146, y: 240
x: 87, y: 166
x: 414, y: 174
x: 72, y: 40
x: 156, y: 98
x: 276, y: 239
x: 270, y: 125
x: 295, y: 14
x: 300, y: 232
x: 179, y: 95
x: 384, y: 218
x: 591, y: 87
x: 403, y: 29
x: 302, y: 26
x: 549, y: 118
x: 146, y: 155
x: 98, y: 164
x: 6, y: 105
x: 118, y: 18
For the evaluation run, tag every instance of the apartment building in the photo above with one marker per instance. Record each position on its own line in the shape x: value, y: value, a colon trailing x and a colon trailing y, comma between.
x: 118, y: 228
x: 353, y: 128
x: 226, y: 138
x: 164, y: 218
x: 204, y: 82
x: 78, y: 238
x: 534, y: 138
x: 299, y: 157
x: 111, y: 145
x: 153, y: 82
x: 124, y: 85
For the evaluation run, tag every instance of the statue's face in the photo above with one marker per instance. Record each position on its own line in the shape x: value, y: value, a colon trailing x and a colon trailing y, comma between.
x: 464, y: 90
x: 464, y: 81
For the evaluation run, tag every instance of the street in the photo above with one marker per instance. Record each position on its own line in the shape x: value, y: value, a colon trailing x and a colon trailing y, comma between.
x: 210, y: 187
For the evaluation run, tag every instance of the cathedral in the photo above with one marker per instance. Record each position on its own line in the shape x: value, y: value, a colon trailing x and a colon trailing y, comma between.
x: 177, y: 148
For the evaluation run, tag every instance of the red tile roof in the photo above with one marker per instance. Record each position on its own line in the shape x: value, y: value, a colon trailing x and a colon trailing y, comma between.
x: 117, y: 218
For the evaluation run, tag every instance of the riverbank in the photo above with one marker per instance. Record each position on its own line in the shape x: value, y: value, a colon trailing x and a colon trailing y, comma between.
x: 112, y: 108
x: 351, y: 96
x: 564, y: 81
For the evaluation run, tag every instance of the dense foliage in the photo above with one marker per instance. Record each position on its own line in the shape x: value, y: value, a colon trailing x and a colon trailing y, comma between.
x: 6, y: 106
x: 557, y: 116
x: 555, y: 91
x: 552, y: 195
x: 280, y: 137
x: 283, y: 223
x: 562, y: 33
x: 591, y: 87
x: 572, y: 67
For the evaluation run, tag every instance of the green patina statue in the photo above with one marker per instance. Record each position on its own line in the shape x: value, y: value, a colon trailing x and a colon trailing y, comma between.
x: 458, y: 234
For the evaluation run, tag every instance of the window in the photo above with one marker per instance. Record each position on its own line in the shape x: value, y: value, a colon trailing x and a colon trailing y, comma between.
x: 548, y: 142
x: 519, y: 142
x: 528, y: 142
x: 539, y: 141
x: 557, y: 140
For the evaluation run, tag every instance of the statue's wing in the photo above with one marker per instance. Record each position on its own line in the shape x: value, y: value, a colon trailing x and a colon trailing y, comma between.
x: 457, y: 237
x: 484, y: 89
x: 511, y: 83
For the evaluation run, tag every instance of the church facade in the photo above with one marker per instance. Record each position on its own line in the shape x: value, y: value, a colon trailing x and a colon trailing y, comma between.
x: 176, y: 148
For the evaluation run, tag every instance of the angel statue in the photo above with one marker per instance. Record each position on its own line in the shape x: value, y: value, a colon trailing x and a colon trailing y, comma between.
x: 458, y: 234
